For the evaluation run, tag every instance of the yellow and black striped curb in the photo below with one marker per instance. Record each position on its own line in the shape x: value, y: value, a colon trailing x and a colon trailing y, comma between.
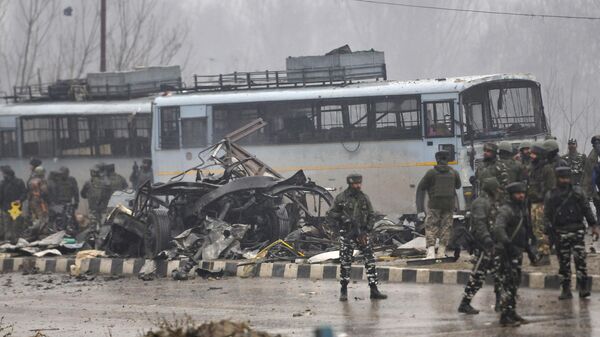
x: 163, y: 268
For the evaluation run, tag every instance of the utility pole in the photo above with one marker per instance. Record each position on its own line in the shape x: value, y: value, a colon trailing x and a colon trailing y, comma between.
x: 102, y: 35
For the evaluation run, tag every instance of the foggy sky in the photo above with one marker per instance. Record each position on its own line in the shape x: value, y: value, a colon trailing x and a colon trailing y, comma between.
x: 250, y: 35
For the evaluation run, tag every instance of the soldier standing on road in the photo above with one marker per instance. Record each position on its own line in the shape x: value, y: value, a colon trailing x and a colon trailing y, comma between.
x: 510, y: 234
x: 493, y: 168
x: 38, y: 199
x: 576, y: 161
x: 541, y: 180
x: 564, y: 210
x: 97, y: 192
x: 64, y: 197
x: 483, y: 215
x: 12, y: 191
x: 440, y: 183
x: 353, y: 212
x: 513, y: 168
x: 524, y: 158
x: 142, y: 174
x: 33, y: 163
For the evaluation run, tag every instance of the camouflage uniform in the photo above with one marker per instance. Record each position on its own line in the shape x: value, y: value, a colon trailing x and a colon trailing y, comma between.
x: 576, y: 161
x: 589, y: 180
x: 483, y: 215
x: 440, y: 183
x: 510, y: 235
x: 97, y: 192
x: 353, y: 211
x: 541, y: 180
x: 565, y: 207
x: 501, y: 169
x: 38, y: 199
x: 142, y: 174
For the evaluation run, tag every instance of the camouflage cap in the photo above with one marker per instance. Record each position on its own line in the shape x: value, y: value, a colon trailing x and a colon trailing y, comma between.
x: 572, y: 141
x: 505, y: 146
x: 595, y: 139
x: 490, y: 147
x: 538, y: 148
x: 442, y: 155
x: 550, y: 145
x: 490, y: 184
x: 525, y: 145
x: 35, y: 162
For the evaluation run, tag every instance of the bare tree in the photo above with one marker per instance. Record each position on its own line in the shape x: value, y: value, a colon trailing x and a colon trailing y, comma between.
x: 139, y: 37
x: 77, y: 41
x: 37, y: 18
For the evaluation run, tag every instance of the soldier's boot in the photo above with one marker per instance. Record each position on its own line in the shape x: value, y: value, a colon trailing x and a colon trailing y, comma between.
x: 430, y: 252
x: 518, y: 318
x: 466, y: 308
x: 441, y: 252
x: 507, y: 320
x: 344, y: 292
x: 543, y: 260
x: 497, y: 305
x: 183, y: 273
x: 376, y: 294
x: 565, y: 293
x: 584, y: 287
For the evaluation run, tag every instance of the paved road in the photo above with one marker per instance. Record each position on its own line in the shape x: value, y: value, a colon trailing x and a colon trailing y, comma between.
x: 126, y: 307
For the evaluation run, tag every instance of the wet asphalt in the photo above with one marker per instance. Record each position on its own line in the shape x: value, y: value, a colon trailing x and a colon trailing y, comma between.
x: 63, y: 306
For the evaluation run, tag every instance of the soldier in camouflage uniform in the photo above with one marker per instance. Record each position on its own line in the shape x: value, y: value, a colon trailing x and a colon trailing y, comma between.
x: 541, y: 180
x: 564, y: 209
x: 524, y: 158
x: 140, y: 175
x: 510, y: 234
x: 513, y: 168
x: 97, y: 192
x: 353, y: 212
x: 551, y: 147
x: 483, y: 215
x: 491, y: 167
x: 117, y: 181
x: 440, y: 183
x: 576, y: 161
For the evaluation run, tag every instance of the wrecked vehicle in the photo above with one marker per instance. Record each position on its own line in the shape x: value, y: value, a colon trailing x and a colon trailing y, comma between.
x: 230, y: 186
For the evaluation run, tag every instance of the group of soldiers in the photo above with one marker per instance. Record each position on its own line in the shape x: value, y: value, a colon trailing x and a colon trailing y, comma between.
x: 47, y: 204
x: 530, y: 201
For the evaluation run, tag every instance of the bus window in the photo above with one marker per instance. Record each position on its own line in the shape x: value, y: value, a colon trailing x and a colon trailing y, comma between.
x: 228, y: 118
x: 397, y: 117
x: 169, y: 127
x: 439, y: 119
x: 74, y: 138
x: 38, y: 137
x: 498, y: 110
x: 289, y: 122
x: 111, y: 133
x: 8, y: 143
x: 193, y: 132
x: 140, y: 139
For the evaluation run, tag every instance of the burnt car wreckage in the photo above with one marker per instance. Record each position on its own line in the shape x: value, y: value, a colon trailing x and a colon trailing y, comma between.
x: 238, y: 207
x: 231, y: 186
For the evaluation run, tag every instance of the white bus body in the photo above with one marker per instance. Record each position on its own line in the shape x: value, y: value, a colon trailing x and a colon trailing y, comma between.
x: 389, y: 131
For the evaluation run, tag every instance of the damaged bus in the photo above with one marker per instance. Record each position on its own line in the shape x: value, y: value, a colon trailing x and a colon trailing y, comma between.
x: 387, y: 130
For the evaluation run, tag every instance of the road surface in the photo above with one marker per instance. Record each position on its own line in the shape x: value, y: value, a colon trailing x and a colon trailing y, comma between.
x: 127, y: 307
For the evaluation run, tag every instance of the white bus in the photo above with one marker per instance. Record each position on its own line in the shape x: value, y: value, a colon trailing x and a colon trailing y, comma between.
x: 77, y: 135
x: 386, y: 130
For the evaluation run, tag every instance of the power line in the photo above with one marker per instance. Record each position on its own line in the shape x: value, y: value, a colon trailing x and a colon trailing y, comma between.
x: 531, y: 15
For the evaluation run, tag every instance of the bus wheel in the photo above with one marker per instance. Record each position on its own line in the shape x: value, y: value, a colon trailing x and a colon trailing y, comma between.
x: 158, y: 233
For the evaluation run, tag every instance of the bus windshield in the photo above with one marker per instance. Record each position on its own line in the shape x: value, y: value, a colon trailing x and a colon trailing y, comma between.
x: 503, y: 110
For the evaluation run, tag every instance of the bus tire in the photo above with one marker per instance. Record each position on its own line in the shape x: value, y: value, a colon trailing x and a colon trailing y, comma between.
x: 158, y: 233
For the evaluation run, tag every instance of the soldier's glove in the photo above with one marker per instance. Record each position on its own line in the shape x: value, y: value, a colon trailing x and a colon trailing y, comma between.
x: 363, y: 239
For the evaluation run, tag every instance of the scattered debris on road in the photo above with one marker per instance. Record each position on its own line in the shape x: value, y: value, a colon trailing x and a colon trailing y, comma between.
x: 187, y: 328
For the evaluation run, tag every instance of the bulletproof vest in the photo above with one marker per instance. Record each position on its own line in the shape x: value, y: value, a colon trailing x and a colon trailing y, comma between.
x: 570, y: 212
x: 97, y: 194
x: 63, y: 191
x: 443, y: 185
